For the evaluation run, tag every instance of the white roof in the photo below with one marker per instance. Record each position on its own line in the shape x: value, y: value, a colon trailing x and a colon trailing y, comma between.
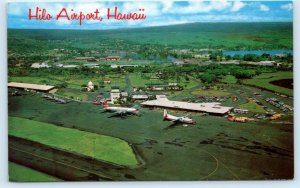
x: 115, y: 91
x: 140, y: 96
x: 30, y: 86
x: 213, y: 107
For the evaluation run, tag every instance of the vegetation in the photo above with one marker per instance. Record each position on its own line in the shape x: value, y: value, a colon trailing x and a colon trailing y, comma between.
x: 215, y: 72
x: 229, y: 79
x: 19, y: 173
x: 90, y: 144
x: 263, y: 81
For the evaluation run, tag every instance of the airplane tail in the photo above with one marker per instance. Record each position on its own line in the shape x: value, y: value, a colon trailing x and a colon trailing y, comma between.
x: 105, y: 104
x: 165, y: 113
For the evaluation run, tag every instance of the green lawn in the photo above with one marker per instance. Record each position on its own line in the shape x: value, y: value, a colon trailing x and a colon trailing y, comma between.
x: 90, y: 144
x: 210, y: 92
x: 137, y: 81
x: 19, y: 173
x: 253, y: 107
x: 229, y: 79
x: 263, y: 81
x: 74, y: 94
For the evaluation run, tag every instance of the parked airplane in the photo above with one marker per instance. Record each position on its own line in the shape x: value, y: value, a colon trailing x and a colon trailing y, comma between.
x: 97, y: 102
x: 183, y: 119
x: 122, y: 111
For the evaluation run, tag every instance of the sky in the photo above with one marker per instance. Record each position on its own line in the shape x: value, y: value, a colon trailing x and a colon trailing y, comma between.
x: 158, y: 13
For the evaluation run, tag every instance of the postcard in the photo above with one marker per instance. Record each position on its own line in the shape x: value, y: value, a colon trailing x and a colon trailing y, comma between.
x: 150, y: 90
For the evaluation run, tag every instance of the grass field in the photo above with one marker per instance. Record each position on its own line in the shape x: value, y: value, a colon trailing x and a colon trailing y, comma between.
x: 210, y: 92
x: 21, y: 173
x: 263, y: 81
x: 93, y: 145
x: 252, y: 107
x: 229, y: 79
x: 71, y: 93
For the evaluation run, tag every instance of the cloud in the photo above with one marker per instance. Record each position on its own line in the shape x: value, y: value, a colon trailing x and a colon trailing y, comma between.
x: 151, y: 8
x: 237, y: 5
x: 14, y: 9
x: 167, y: 5
x: 264, y: 8
x: 201, y: 6
x: 288, y: 7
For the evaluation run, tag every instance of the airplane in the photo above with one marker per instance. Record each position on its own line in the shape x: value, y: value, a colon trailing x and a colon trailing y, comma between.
x: 120, y: 111
x: 97, y: 102
x: 175, y: 119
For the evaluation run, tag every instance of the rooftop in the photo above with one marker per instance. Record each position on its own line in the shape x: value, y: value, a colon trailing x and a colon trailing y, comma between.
x: 30, y: 86
x: 213, y: 107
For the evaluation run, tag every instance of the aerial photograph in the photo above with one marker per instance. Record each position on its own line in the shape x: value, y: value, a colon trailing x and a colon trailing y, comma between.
x: 150, y: 91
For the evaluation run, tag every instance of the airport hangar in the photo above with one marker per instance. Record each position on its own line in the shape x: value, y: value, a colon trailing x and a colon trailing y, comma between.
x: 211, y: 108
x: 35, y: 87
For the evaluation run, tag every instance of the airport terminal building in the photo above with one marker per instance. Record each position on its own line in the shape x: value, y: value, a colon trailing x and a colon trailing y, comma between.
x: 28, y: 86
x: 212, y: 108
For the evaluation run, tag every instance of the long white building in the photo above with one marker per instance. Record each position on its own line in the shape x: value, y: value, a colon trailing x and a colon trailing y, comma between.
x: 212, y: 108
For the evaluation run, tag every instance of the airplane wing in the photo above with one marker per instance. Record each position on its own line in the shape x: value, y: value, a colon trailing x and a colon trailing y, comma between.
x: 186, y: 116
x: 120, y: 112
x: 176, y: 120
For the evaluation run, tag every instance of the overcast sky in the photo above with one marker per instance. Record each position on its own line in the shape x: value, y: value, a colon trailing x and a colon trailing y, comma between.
x: 165, y: 12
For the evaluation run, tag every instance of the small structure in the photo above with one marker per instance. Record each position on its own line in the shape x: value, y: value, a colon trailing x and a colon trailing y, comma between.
x: 106, y: 80
x: 26, y: 86
x: 90, y: 86
x: 113, y: 58
x: 40, y: 65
